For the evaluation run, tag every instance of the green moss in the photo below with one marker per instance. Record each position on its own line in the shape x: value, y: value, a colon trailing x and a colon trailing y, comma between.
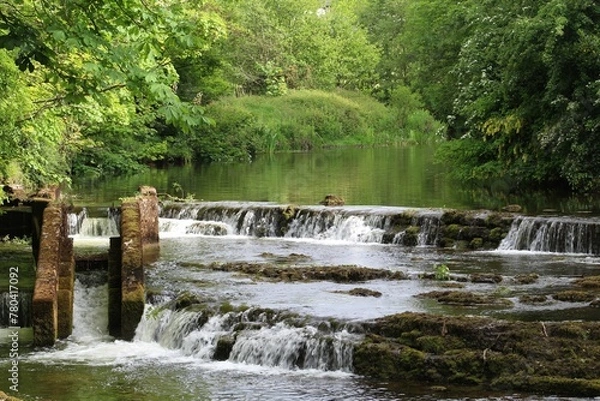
x: 453, y: 231
x: 574, y: 296
x: 497, y: 234
x: 431, y: 344
x: 463, y: 298
x: 476, y: 243
x: 591, y: 282
x: 530, y: 299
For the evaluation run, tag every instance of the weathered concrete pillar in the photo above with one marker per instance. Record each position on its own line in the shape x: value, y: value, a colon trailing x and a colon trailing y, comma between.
x: 66, y: 278
x: 37, y: 218
x: 132, y: 269
x: 148, y: 202
x: 45, y: 294
x: 114, y: 287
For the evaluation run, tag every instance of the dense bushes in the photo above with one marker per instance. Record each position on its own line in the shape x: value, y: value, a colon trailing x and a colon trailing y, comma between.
x: 304, y: 120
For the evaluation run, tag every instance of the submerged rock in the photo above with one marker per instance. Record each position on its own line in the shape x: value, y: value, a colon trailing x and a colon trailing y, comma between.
x: 338, y: 274
x: 463, y: 298
x: 333, y: 200
x: 361, y: 292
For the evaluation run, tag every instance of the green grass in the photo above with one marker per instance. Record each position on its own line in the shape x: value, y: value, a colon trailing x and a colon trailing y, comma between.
x: 307, y: 119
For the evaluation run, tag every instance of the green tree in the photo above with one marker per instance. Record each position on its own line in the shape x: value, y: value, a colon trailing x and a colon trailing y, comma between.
x: 90, y: 61
x: 299, y: 43
x: 528, y: 91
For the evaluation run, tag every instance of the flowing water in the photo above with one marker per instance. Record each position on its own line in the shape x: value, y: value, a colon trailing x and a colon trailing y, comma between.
x: 294, y: 340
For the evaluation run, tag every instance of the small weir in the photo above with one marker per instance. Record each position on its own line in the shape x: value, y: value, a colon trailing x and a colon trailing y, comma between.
x: 387, y: 225
x: 554, y: 234
x: 104, y: 222
x: 254, y: 336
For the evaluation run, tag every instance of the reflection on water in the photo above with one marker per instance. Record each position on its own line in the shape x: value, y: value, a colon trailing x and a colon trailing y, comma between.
x: 393, y: 176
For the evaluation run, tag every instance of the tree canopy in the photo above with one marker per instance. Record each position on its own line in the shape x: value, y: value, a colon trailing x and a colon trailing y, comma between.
x: 107, y: 87
x: 518, y: 83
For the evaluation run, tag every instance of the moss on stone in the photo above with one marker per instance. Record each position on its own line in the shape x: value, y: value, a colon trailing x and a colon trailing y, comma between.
x: 526, y: 278
x: 223, y: 348
x: 361, y: 292
x: 463, y: 298
x: 487, y: 278
x: 476, y: 243
x: 545, y: 358
x: 530, y: 299
x: 574, y: 296
x: 590, y: 282
x: 338, y: 274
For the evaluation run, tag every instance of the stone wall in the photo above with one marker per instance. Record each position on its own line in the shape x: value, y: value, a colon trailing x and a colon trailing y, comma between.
x: 52, y: 305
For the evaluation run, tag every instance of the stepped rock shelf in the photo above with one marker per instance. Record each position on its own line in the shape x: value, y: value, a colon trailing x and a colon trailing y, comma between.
x: 443, y: 351
x: 444, y: 228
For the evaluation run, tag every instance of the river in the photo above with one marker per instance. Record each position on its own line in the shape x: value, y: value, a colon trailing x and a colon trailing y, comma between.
x: 300, y: 344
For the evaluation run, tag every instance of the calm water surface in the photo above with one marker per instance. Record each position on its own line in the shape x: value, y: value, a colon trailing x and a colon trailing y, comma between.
x: 394, y: 176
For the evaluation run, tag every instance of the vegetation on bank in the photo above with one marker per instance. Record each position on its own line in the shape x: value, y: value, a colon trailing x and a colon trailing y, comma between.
x: 108, y: 88
x: 304, y: 120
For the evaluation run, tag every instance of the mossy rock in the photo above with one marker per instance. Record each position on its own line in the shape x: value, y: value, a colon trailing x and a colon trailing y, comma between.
x: 361, y: 292
x: 463, y: 298
x: 333, y: 200
x: 591, y: 282
x: 453, y: 231
x: 526, y: 278
x: 487, y: 278
x: 338, y: 274
x: 530, y: 299
x: 574, y: 296
x: 476, y: 243
x: 492, y: 353
x: 455, y: 217
x: 223, y: 348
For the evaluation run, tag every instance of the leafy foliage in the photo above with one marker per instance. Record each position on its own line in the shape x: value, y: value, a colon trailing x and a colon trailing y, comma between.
x: 517, y: 82
x: 300, y: 120
x: 88, y: 65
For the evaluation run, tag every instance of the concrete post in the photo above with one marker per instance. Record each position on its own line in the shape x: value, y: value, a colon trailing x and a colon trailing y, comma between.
x: 45, y: 294
x: 132, y: 270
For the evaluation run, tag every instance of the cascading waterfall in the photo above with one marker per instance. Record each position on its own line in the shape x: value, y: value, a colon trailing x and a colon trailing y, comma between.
x: 84, y: 225
x: 554, y: 234
x: 294, y: 347
x: 250, y: 337
x: 382, y: 225
x: 90, y: 308
x: 352, y: 224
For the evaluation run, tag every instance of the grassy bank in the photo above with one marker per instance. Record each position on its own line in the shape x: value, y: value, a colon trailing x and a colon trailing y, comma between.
x: 304, y: 120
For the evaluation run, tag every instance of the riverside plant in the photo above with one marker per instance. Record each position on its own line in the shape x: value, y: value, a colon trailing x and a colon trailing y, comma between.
x: 442, y: 272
